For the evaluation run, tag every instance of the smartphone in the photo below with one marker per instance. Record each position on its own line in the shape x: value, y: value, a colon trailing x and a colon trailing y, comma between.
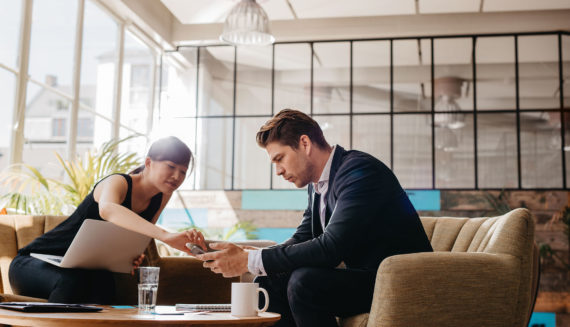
x: 195, y: 249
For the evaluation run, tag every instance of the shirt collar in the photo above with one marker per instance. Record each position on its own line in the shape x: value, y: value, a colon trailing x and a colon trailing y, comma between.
x: 324, y: 179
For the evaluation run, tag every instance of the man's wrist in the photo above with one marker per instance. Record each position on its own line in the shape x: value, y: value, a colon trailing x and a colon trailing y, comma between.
x: 255, y: 263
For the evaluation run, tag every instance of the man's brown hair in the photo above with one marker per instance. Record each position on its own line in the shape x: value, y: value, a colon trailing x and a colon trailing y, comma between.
x: 287, y: 126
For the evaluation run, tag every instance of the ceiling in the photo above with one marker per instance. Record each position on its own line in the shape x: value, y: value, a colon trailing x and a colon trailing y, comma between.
x: 200, y: 22
x: 215, y: 11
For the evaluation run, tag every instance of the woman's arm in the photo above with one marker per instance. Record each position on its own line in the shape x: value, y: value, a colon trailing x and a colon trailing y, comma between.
x: 111, y: 192
x: 194, y: 236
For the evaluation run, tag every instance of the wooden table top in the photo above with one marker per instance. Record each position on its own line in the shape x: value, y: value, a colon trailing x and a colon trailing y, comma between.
x: 130, y: 317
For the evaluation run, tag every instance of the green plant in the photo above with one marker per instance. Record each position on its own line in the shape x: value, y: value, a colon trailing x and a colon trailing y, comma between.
x: 562, y: 216
x: 547, y: 253
x: 498, y: 203
x: 83, y: 173
x: 30, y: 192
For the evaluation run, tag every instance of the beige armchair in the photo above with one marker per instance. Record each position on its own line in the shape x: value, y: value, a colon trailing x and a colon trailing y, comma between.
x: 483, y: 273
x: 182, y: 279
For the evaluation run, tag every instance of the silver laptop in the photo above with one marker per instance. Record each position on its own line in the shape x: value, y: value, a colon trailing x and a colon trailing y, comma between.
x: 100, y: 244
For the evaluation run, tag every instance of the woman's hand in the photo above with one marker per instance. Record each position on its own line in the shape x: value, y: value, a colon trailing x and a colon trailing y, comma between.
x: 196, y: 237
x: 179, y: 240
x: 136, y: 263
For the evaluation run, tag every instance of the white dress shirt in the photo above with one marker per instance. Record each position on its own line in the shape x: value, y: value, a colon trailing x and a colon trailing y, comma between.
x: 254, y: 261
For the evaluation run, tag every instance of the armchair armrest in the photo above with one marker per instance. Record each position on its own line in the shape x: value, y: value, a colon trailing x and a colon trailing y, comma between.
x: 445, y: 289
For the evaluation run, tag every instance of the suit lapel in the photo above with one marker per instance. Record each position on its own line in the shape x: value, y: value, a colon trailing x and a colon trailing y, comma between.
x: 337, y: 160
x: 330, y: 198
x: 316, y: 220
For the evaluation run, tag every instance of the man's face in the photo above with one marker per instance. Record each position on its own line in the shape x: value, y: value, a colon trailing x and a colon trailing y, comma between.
x: 293, y: 164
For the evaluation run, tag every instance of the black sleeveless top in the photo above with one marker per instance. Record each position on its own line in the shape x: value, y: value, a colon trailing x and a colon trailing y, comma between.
x: 58, y: 240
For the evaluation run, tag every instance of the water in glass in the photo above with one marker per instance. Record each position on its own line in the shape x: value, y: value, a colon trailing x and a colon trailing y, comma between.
x: 147, y: 297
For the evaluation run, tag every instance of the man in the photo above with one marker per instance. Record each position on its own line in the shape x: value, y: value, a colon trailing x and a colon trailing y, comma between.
x: 357, y: 214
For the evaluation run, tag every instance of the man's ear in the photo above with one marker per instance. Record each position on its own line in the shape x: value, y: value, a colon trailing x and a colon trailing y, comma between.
x: 147, y: 161
x: 305, y: 144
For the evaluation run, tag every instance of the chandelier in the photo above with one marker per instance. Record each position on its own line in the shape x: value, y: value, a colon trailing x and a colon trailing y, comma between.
x: 247, y: 24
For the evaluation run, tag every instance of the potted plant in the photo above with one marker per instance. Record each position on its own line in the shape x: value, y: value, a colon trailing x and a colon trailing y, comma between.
x: 30, y: 192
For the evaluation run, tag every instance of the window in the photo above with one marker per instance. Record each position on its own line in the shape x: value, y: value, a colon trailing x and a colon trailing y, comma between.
x: 444, y: 113
x: 51, y: 64
x: 137, y: 90
x: 98, y: 67
x: 253, y: 81
x: 58, y: 127
x: 10, y: 27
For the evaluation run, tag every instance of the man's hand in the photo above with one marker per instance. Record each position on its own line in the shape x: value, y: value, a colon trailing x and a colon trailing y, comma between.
x: 230, y: 260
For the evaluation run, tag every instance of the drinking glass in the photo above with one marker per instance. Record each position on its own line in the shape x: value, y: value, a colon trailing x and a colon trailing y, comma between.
x: 148, y: 288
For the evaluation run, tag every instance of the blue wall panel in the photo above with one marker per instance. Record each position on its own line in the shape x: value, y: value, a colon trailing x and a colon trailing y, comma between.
x: 274, y: 200
x: 542, y: 319
x: 425, y: 199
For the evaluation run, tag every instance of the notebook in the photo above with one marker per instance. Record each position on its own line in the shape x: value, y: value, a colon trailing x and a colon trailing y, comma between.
x: 48, y: 307
x: 100, y: 244
x: 205, y: 307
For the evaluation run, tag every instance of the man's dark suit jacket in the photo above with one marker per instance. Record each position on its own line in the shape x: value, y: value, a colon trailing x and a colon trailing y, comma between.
x: 368, y: 218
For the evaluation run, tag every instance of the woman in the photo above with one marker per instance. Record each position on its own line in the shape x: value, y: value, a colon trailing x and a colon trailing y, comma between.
x: 133, y: 201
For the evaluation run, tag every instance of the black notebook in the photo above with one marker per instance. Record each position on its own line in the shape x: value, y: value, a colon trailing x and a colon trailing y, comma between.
x: 48, y: 307
x: 204, y: 307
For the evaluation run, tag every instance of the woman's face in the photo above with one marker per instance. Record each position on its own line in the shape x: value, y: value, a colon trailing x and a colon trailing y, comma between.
x: 166, y: 175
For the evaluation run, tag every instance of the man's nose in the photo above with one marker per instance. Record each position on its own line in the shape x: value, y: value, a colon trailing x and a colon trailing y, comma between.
x: 278, y: 170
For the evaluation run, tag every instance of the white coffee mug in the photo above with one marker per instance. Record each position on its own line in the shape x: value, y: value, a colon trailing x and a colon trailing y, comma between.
x: 245, y: 299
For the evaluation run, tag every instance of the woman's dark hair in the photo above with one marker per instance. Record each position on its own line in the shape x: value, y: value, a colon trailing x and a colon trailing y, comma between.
x: 172, y: 149
x: 287, y: 126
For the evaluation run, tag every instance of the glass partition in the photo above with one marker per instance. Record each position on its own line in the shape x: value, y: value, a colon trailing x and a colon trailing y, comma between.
x: 371, y: 76
x: 497, y: 150
x: 252, y: 167
x: 538, y: 72
x: 216, y: 81
x: 253, y: 81
x: 412, y: 150
x: 495, y: 66
x: 412, y: 75
x: 214, y: 153
x: 331, y: 77
x: 292, y: 77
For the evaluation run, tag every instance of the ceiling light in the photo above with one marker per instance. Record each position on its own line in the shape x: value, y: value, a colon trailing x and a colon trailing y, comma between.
x: 446, y: 90
x: 247, y: 24
x: 452, y: 118
x: 446, y: 140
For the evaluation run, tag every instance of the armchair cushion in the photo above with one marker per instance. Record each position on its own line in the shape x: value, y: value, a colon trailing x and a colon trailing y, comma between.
x: 446, y: 289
